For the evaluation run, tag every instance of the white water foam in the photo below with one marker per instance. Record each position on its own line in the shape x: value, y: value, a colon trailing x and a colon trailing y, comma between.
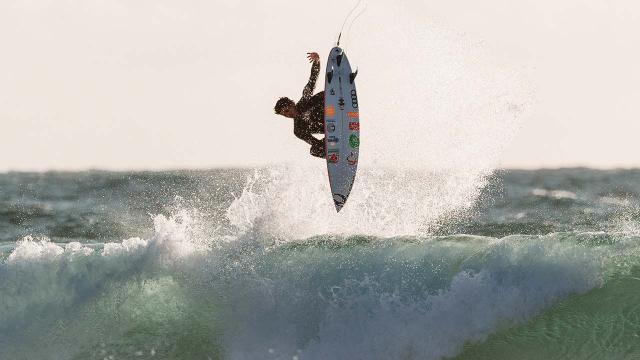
x: 60, y: 299
x: 364, y: 317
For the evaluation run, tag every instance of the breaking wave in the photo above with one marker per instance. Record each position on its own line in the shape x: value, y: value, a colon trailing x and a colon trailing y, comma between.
x: 186, y: 293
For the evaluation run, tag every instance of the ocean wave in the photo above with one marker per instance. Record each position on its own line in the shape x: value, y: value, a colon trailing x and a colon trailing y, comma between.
x: 199, y: 294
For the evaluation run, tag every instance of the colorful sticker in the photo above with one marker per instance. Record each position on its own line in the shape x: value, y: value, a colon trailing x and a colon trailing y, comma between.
x: 354, y: 126
x: 341, y: 103
x: 331, y: 126
x: 353, y: 114
x: 352, y: 159
x: 354, y: 141
x: 354, y: 99
x: 332, y: 155
x: 329, y: 111
x: 332, y: 140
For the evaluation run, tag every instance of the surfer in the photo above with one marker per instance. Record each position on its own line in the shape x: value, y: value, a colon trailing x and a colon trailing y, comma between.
x: 308, y: 112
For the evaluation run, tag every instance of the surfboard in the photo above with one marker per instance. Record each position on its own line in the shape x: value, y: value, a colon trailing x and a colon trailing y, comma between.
x: 341, y: 125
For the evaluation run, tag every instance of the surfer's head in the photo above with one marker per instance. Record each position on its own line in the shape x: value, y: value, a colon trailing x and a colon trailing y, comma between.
x: 286, y: 107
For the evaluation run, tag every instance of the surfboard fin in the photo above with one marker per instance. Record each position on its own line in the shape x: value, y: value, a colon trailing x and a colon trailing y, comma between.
x: 330, y: 76
x: 352, y: 76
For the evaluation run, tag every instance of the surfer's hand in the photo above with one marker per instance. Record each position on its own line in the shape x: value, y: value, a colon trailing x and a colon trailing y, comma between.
x: 313, y: 57
x: 317, y: 149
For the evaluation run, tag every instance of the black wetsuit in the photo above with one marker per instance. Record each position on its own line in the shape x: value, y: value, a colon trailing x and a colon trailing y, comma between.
x: 310, y: 118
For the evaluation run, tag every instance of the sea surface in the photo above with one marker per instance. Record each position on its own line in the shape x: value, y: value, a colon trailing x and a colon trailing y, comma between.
x: 256, y: 264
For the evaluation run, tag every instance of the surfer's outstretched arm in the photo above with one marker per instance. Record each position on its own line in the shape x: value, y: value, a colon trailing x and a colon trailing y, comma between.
x: 315, y: 70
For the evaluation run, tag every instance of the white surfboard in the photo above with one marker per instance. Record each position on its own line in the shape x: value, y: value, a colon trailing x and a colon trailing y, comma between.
x: 341, y: 125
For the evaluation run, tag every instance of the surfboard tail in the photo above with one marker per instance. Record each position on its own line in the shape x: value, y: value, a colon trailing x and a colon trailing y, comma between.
x: 339, y: 200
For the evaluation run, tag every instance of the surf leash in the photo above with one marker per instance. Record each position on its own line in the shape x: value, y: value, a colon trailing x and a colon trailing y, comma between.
x: 347, y: 18
x: 356, y: 18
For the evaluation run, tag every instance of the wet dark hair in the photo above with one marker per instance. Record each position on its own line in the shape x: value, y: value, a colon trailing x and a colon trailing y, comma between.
x: 283, y: 103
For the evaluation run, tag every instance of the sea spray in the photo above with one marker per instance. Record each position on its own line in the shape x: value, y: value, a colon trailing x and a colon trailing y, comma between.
x: 434, y: 122
x: 291, y: 202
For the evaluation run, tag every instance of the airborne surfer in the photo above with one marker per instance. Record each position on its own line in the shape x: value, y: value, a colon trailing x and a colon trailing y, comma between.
x: 308, y: 112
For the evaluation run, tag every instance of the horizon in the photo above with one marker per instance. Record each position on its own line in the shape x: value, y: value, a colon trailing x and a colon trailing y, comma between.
x: 249, y: 168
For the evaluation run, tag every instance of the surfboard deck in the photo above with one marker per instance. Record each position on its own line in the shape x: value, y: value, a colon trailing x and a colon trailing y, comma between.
x: 342, y: 126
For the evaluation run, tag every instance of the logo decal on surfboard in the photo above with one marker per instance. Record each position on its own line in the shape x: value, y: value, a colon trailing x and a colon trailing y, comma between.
x: 352, y: 159
x: 329, y: 111
x: 354, y: 141
x: 354, y: 99
x: 354, y: 126
x: 332, y: 156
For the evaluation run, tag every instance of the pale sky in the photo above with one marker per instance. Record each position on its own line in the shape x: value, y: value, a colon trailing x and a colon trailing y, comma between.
x: 120, y: 84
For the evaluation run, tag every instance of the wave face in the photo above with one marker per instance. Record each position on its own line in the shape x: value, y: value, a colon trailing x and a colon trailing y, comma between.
x: 528, y: 263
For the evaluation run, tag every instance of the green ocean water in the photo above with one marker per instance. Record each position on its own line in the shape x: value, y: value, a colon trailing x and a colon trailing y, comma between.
x: 255, y: 264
